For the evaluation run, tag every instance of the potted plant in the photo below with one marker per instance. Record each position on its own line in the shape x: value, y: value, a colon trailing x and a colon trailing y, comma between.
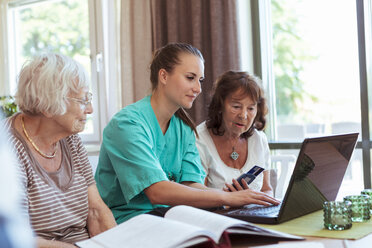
x: 7, y: 106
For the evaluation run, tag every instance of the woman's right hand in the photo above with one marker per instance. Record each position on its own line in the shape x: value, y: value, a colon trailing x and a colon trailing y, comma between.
x: 242, y: 197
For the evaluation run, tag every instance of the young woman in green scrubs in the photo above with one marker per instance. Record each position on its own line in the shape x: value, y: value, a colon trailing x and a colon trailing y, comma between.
x: 148, y: 158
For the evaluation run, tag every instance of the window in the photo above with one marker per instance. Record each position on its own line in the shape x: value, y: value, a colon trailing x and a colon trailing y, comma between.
x: 67, y: 27
x: 308, y: 55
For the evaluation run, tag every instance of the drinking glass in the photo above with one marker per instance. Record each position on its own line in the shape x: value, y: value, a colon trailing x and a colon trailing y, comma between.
x: 359, y: 207
x: 337, y: 215
x: 368, y: 192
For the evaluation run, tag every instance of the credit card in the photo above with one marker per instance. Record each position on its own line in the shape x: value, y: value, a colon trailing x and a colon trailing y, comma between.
x: 250, y: 175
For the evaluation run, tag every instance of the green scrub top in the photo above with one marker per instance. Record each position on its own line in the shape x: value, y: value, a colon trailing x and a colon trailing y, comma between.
x: 136, y: 154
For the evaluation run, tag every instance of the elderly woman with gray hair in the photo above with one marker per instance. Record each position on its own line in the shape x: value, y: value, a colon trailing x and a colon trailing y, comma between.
x: 62, y: 200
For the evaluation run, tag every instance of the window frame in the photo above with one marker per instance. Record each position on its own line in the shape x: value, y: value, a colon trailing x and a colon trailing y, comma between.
x: 263, y: 67
x: 98, y: 14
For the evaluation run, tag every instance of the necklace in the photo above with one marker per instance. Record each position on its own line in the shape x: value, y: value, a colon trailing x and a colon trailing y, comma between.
x: 234, y: 155
x: 34, y: 145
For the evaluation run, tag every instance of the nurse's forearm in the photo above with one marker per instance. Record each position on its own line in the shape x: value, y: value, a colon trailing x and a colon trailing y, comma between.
x: 171, y: 193
x: 197, y: 186
x: 192, y: 194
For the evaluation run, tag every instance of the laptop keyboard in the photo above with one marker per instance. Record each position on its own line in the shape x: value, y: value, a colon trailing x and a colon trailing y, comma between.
x: 256, y: 210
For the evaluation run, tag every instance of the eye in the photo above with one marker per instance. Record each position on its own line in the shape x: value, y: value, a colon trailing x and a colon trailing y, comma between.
x: 252, y: 109
x: 190, y: 78
x: 201, y: 80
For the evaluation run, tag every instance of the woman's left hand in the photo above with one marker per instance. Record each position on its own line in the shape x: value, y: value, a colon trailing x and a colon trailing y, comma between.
x: 235, y: 186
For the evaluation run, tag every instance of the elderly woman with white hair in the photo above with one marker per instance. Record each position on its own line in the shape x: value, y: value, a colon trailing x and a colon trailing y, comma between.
x: 62, y: 200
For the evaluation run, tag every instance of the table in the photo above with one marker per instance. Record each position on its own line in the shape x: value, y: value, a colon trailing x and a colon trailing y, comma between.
x: 365, y: 242
x: 311, y: 228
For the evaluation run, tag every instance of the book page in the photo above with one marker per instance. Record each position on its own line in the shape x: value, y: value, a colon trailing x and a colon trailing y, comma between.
x: 247, y: 229
x: 218, y: 223
x: 207, y: 220
x: 149, y: 231
x: 89, y: 243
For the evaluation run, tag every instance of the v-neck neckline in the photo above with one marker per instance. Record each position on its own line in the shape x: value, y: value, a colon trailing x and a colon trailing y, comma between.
x: 219, y: 157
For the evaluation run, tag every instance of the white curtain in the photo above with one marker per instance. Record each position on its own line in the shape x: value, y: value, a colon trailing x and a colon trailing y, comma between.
x: 136, y: 49
x: 4, y: 63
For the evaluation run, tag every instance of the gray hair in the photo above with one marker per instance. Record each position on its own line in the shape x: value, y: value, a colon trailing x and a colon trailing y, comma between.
x: 45, y: 81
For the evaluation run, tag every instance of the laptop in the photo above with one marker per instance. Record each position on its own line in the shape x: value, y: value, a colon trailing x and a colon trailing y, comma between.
x: 317, y: 177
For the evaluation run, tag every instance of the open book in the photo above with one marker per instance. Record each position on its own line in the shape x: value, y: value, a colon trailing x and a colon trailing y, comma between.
x: 182, y: 226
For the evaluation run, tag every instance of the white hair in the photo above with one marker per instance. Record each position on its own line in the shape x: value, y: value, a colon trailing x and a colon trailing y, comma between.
x: 45, y: 81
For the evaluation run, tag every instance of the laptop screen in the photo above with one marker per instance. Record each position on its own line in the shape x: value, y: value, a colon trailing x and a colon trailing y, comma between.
x: 318, y: 174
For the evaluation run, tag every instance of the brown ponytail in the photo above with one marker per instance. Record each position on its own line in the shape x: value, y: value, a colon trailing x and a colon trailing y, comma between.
x: 185, y: 117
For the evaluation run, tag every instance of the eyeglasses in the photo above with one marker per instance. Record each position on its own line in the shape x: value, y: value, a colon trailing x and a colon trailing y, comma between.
x: 83, y: 102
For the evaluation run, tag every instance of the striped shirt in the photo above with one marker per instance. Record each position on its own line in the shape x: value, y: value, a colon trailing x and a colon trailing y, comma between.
x: 57, y: 208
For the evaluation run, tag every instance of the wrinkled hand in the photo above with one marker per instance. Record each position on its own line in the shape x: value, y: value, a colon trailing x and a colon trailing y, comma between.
x: 238, y: 187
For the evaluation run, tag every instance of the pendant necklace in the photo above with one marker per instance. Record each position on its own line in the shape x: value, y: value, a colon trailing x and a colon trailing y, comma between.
x: 234, y: 155
x: 34, y: 145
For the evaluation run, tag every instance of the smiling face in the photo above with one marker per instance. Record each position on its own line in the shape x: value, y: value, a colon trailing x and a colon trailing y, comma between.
x: 238, y: 114
x: 74, y: 120
x: 182, y: 84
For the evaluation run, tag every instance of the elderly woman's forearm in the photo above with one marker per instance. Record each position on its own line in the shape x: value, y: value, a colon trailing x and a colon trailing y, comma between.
x: 100, y: 220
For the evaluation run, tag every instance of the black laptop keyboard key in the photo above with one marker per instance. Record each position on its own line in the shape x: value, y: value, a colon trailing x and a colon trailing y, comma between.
x: 256, y: 210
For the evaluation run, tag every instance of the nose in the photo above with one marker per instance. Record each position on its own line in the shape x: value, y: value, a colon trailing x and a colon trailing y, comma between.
x: 89, y: 108
x: 197, y: 88
x: 243, y: 114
